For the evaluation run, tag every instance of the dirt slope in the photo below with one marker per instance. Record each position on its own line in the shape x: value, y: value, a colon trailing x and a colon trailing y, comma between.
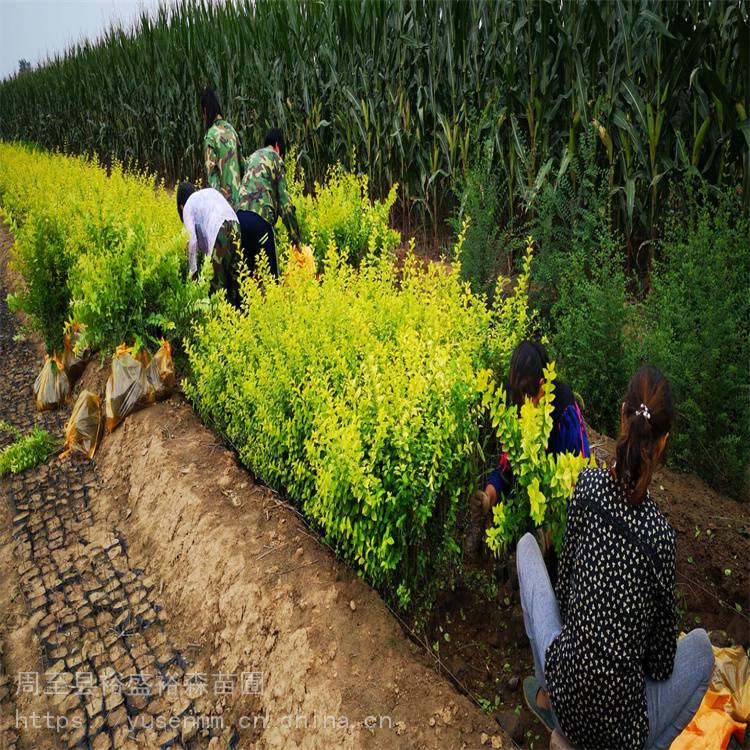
x: 249, y: 590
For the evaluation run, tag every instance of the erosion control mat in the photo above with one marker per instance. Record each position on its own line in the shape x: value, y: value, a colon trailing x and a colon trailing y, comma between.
x: 108, y: 661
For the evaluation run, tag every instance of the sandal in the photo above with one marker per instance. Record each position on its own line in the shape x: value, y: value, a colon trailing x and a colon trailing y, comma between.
x: 531, y: 687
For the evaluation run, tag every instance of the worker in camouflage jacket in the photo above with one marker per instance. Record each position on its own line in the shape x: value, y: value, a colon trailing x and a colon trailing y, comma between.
x: 264, y: 198
x: 221, y: 150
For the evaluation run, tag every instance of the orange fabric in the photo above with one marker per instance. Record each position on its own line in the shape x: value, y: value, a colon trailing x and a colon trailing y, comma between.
x: 712, y: 727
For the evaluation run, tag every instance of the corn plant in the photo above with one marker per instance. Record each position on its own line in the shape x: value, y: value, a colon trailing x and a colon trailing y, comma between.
x: 410, y: 88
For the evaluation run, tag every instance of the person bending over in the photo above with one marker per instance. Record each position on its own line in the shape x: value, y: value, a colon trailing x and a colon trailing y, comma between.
x: 213, y: 229
x: 609, y: 672
x: 263, y: 198
x: 526, y: 380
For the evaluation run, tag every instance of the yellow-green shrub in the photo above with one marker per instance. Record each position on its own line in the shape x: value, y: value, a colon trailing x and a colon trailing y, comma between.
x: 26, y: 451
x: 339, y: 210
x: 357, y: 395
x: 543, y: 483
x: 104, y: 248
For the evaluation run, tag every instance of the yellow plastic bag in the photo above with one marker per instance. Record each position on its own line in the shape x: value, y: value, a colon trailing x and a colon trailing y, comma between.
x: 51, y: 387
x: 160, y: 371
x: 300, y: 259
x: 85, y: 426
x: 73, y: 362
x: 732, y: 672
x: 712, y: 727
x: 128, y: 387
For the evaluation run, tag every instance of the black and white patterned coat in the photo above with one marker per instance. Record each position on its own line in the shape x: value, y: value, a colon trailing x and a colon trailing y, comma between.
x: 615, y: 591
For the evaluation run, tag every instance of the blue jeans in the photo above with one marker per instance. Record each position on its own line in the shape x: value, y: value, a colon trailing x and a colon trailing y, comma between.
x: 671, y: 702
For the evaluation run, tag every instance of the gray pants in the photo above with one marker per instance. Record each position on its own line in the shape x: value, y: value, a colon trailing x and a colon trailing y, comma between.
x: 671, y: 702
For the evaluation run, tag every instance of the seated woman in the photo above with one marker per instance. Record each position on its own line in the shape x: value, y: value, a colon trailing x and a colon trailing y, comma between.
x: 609, y: 670
x: 526, y: 380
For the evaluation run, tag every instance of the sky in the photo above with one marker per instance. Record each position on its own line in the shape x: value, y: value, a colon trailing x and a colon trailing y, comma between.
x: 34, y: 29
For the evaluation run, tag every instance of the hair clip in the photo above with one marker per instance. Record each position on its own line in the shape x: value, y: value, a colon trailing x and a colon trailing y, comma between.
x: 643, y: 411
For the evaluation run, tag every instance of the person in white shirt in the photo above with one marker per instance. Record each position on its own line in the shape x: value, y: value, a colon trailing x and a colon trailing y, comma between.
x: 213, y: 228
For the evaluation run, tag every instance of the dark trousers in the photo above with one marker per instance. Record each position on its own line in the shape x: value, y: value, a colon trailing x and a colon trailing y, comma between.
x: 257, y: 237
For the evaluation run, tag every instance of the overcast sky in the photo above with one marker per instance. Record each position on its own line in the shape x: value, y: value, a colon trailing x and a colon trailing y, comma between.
x: 34, y: 29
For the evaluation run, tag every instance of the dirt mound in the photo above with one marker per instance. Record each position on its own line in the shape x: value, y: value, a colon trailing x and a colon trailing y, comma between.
x: 250, y: 591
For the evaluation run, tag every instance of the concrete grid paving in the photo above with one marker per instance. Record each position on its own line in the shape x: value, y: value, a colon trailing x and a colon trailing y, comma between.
x: 110, y: 668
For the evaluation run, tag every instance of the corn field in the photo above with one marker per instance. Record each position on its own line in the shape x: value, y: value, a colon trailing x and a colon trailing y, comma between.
x: 408, y: 90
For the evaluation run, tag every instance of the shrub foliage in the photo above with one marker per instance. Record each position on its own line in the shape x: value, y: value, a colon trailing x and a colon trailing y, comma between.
x: 357, y: 395
x: 581, y: 291
x: 543, y: 483
x: 696, y: 327
x: 339, y: 211
x: 26, y: 451
x: 482, y: 198
x: 105, y: 249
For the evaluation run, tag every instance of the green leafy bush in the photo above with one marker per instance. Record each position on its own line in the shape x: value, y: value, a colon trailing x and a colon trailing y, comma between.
x: 42, y: 259
x: 121, y: 281
x: 357, y: 395
x: 543, y: 483
x: 26, y: 451
x: 587, y: 331
x: 696, y: 327
x: 581, y: 287
x: 571, y: 217
x: 487, y: 247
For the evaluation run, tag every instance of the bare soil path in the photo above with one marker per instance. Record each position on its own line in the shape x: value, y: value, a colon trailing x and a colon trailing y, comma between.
x: 159, y: 597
